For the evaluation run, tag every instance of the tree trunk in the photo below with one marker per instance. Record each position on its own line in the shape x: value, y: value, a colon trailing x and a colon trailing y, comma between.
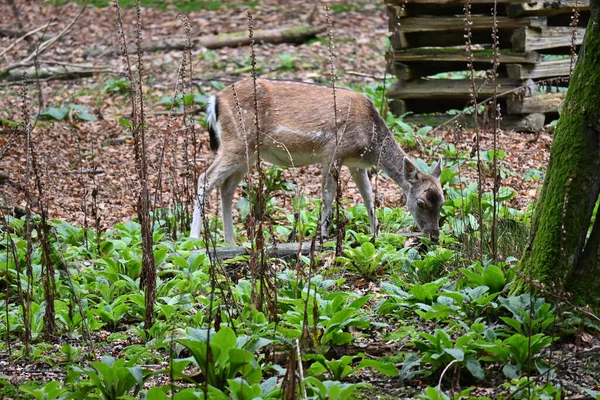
x: 564, y: 247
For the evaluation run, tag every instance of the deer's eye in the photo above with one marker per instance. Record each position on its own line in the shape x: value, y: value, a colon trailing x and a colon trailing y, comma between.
x: 421, y: 203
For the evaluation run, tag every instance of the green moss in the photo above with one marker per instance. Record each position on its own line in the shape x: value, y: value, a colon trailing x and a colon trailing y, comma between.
x: 231, y: 35
x: 300, y: 30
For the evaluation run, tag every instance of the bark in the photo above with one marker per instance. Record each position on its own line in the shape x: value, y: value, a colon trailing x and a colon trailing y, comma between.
x: 290, y: 34
x: 562, y: 251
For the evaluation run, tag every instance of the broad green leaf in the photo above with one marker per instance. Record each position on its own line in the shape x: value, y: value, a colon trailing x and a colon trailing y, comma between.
x: 474, y: 367
x: 85, y: 116
x: 57, y: 114
x: 458, y: 354
x: 386, y: 368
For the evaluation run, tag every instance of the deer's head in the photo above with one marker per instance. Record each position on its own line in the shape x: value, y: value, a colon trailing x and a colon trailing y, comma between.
x: 424, y: 197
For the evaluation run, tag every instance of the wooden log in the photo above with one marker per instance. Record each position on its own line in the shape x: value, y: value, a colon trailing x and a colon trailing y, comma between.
x: 457, y: 23
x: 458, y: 54
x: 57, y: 71
x: 288, y: 34
x: 449, y: 88
x: 281, y: 250
x: 529, y: 123
x: 527, y: 39
x: 546, y: 8
x: 545, y: 69
x: 544, y: 103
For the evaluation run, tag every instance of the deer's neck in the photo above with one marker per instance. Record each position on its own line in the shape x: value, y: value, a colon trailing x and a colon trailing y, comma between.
x: 389, y: 157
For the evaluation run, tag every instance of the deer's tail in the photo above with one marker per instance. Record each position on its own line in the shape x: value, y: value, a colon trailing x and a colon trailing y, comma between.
x: 212, y: 120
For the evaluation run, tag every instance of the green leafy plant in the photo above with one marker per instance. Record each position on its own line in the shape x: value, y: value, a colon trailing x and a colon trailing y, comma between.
x: 119, y: 85
x: 222, y: 356
x: 112, y: 378
x: 435, y: 393
x: 342, y: 368
x: 49, y: 391
x: 529, y: 315
x: 76, y: 111
x: 330, y: 390
x: 335, y: 315
x: 516, y: 352
x: 491, y: 276
x: 187, y: 99
x: 368, y: 261
x: 439, y: 350
x: 287, y: 62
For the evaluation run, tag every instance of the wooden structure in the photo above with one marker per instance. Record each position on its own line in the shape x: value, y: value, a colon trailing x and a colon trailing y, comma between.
x: 535, y: 44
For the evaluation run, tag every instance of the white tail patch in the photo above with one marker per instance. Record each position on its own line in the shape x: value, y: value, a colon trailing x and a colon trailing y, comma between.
x: 214, y: 126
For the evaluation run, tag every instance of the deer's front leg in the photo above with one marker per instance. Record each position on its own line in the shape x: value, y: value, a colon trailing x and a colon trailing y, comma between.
x: 361, y: 178
x: 329, y: 190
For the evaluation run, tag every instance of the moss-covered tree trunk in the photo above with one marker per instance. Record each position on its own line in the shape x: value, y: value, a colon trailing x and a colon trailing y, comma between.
x: 562, y: 251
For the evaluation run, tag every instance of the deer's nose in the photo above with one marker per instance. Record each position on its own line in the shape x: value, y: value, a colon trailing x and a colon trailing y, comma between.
x: 434, y: 236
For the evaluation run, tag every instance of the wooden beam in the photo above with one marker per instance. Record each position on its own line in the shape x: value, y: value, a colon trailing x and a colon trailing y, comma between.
x: 528, y: 123
x: 527, y: 39
x: 449, y: 88
x: 457, y: 23
x: 455, y: 54
x: 544, y: 69
x: 543, y: 103
x: 546, y: 8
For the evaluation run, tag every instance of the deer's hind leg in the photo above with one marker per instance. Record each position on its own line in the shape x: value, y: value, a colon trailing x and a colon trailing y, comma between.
x: 228, y: 188
x: 217, y: 173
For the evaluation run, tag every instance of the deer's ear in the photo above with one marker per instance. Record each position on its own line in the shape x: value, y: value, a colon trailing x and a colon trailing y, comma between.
x: 411, y: 172
x: 437, y: 170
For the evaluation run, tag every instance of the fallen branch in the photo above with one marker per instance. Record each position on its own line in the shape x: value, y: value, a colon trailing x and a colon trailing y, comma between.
x: 281, y: 250
x: 290, y: 34
x: 54, y: 70
x: 25, y: 36
x: 42, y: 47
x: 93, y: 171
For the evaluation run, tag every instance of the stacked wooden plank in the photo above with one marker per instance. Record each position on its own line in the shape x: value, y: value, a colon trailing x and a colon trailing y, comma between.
x: 535, y: 45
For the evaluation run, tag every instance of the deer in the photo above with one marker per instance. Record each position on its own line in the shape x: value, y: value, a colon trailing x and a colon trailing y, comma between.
x: 297, y: 126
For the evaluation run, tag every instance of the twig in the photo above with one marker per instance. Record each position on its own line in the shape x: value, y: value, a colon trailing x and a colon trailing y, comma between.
x: 26, y: 36
x: 44, y: 46
x: 93, y: 171
x: 364, y: 75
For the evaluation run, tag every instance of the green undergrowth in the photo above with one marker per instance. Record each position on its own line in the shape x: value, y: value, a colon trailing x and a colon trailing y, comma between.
x: 443, y: 311
x: 436, y: 305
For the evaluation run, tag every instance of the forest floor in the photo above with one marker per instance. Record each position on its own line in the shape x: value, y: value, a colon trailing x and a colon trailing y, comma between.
x: 93, y: 162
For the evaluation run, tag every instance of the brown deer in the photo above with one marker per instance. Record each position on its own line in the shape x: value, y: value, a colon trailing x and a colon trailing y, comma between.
x: 297, y: 127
